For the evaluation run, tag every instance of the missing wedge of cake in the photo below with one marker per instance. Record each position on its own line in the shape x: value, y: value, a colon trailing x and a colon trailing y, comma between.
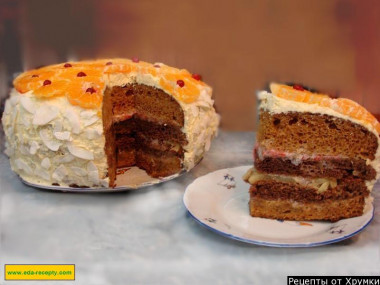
x: 315, y: 158
x: 74, y: 124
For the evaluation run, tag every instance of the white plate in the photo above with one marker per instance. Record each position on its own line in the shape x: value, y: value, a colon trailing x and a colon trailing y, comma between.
x: 219, y: 201
x: 132, y: 178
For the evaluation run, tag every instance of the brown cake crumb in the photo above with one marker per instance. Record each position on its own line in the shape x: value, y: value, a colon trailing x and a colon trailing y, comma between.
x: 142, y: 127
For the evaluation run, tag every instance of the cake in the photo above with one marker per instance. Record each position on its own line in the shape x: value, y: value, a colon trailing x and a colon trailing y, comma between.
x: 315, y: 157
x: 76, y: 123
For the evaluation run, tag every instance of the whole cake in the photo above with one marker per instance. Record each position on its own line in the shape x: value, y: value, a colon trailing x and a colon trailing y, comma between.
x: 74, y: 124
x: 316, y: 158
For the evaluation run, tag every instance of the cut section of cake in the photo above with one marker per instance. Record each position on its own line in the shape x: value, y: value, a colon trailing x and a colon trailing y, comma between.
x: 75, y: 124
x: 315, y: 158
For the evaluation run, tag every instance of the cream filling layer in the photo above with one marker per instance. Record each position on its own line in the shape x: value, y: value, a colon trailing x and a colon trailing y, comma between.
x: 295, y: 158
x: 252, y: 176
x: 276, y: 105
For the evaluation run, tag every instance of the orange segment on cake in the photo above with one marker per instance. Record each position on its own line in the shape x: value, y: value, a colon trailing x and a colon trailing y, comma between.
x: 75, y: 123
x: 316, y: 158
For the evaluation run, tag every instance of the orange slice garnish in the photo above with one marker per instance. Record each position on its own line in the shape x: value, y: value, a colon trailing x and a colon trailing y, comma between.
x: 85, y: 93
x: 54, y: 88
x: 31, y: 80
x: 80, y: 73
x: 341, y: 105
x: 189, y: 92
x: 120, y: 68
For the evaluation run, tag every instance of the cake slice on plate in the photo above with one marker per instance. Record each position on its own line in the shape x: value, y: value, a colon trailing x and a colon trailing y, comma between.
x: 316, y: 158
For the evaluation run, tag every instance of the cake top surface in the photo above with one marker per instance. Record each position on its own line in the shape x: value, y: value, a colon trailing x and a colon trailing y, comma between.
x: 342, y: 106
x: 83, y: 82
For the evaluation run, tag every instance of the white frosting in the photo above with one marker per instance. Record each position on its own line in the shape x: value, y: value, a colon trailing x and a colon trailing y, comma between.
x: 52, y: 141
x: 275, y: 104
x: 53, y: 148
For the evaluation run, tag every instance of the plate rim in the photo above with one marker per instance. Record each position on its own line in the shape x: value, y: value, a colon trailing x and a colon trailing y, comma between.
x: 265, y: 243
x: 88, y: 190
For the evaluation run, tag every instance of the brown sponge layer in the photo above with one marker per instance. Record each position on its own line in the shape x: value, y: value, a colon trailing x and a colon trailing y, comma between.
x: 147, y: 103
x: 315, y: 134
x: 142, y: 126
x: 327, y: 167
x: 273, y: 190
x: 126, y: 157
x: 330, y: 210
x: 164, y: 131
x: 158, y: 164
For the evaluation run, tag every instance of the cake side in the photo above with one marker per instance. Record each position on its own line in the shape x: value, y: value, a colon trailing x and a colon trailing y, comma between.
x: 54, y: 142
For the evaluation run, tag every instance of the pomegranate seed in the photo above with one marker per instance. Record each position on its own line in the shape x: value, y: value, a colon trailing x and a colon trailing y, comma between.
x: 67, y: 65
x: 196, y: 76
x: 90, y: 90
x: 135, y: 59
x: 298, y: 87
x: 81, y: 74
x: 180, y: 83
x: 46, y: 82
x: 109, y: 63
x: 34, y: 75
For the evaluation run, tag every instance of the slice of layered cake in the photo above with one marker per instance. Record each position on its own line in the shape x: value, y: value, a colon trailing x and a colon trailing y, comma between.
x: 316, y: 158
x: 74, y: 124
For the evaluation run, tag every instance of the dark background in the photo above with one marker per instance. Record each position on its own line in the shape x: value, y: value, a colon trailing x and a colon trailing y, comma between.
x: 237, y: 46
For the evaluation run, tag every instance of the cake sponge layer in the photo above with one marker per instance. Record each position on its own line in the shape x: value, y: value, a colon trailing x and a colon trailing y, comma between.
x: 329, y: 210
x: 158, y: 164
x: 312, y: 134
x: 272, y: 190
x: 145, y: 102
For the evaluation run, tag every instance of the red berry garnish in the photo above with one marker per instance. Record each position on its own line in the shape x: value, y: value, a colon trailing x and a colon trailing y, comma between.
x: 35, y: 75
x: 67, y: 65
x: 135, y: 59
x: 46, y: 82
x: 180, y: 83
x: 109, y: 63
x: 81, y: 74
x: 90, y: 90
x: 196, y: 76
x: 298, y: 87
